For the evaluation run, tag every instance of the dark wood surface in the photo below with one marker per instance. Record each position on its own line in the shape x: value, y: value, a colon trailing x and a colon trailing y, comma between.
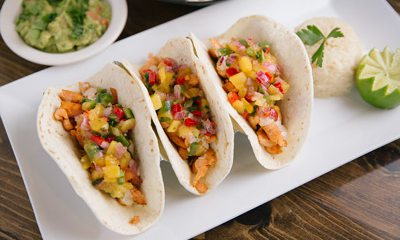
x: 360, y: 200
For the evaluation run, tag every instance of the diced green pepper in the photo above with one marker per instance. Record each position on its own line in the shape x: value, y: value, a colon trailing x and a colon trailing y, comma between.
x: 243, y: 42
x: 122, y: 139
x: 104, y: 98
x: 121, y: 178
x: 263, y: 45
x: 128, y: 113
x: 166, y: 106
x: 91, y: 150
x: 260, y: 56
x: 88, y: 105
x: 225, y: 51
x: 251, y: 52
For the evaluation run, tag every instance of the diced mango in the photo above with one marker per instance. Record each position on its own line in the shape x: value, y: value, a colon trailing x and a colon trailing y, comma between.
x: 111, y: 148
x: 173, y: 127
x: 247, y: 106
x: 192, y: 92
x: 195, y: 132
x: 100, y: 161
x: 239, y: 106
x: 110, y: 160
x: 99, y: 124
x: 111, y: 172
x: 156, y: 100
x: 96, y: 175
x: 99, y: 109
x: 127, y: 125
x: 242, y: 92
x: 161, y: 74
x: 124, y: 161
x: 184, y: 131
x: 85, y: 162
x: 245, y: 64
x: 238, y: 80
x: 165, y: 115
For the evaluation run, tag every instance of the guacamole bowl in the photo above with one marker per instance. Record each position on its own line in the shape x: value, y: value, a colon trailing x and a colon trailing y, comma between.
x: 10, y: 12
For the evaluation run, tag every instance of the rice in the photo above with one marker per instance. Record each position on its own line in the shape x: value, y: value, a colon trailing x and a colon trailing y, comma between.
x: 341, y: 57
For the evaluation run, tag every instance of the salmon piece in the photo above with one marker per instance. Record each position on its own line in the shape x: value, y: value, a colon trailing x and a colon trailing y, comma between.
x: 275, y: 135
x: 229, y: 87
x: 73, y: 109
x: 62, y: 116
x: 202, y: 164
x: 263, y: 139
x: 253, y: 121
x: 180, y: 142
x: 138, y: 196
x: 193, y: 80
x: 276, y: 149
x: 183, y: 152
x: 114, y: 95
x: 70, y: 96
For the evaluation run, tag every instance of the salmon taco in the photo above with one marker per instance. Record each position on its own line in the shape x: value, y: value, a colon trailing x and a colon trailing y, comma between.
x: 261, y: 71
x: 99, y: 133
x: 193, y: 126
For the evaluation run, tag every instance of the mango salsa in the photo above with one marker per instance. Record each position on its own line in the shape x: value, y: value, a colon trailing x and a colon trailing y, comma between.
x: 156, y: 100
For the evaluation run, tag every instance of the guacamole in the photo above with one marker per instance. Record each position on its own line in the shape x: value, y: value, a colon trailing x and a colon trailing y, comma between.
x: 58, y: 26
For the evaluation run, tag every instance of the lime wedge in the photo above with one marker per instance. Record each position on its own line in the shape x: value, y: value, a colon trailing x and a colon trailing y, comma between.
x: 378, y: 78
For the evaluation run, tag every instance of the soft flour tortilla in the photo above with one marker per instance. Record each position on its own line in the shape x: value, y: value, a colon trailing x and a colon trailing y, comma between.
x: 64, y: 151
x: 297, y: 104
x: 181, y: 50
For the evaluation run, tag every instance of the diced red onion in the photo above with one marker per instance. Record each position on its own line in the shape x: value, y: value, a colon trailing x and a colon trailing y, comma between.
x: 209, y: 127
x: 270, y: 67
x: 177, y: 91
x: 119, y: 150
x: 107, y: 111
x: 104, y: 145
x: 179, y: 115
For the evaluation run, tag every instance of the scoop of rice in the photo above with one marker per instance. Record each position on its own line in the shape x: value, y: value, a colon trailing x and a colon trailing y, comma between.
x: 341, y: 57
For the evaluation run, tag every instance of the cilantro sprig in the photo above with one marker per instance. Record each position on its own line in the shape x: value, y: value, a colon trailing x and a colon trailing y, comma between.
x: 312, y: 35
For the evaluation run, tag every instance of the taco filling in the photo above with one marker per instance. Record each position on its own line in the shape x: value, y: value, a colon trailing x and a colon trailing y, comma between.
x: 254, y: 85
x: 184, y: 114
x: 103, y: 129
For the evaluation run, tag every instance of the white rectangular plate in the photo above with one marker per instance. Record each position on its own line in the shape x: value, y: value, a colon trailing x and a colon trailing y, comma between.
x: 342, y: 128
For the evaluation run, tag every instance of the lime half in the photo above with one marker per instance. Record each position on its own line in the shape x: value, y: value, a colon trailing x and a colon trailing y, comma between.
x: 378, y: 78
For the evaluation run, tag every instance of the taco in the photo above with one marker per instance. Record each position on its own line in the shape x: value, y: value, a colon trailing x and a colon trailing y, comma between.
x: 99, y: 133
x: 262, y: 72
x: 192, y: 124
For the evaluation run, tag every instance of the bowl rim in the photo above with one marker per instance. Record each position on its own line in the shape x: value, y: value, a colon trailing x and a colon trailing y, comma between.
x: 12, y: 8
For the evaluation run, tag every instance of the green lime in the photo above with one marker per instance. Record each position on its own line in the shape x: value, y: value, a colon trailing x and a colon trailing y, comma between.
x: 378, y: 78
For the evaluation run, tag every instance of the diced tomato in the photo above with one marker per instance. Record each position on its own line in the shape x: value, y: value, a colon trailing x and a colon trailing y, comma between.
x: 269, y: 76
x: 197, y: 102
x: 232, y: 97
x: 231, y: 71
x: 110, y: 139
x: 190, y: 122
x: 279, y: 86
x: 176, y: 108
x: 273, y: 114
x: 245, y: 115
x: 267, y: 50
x: 152, y: 76
x: 119, y: 113
x: 197, y: 113
x: 97, y: 139
x: 180, y: 80
x: 169, y: 62
x: 249, y: 97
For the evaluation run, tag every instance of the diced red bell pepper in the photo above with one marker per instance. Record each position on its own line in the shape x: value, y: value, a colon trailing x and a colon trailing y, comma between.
x: 110, y: 139
x: 245, y: 115
x: 190, y: 122
x: 197, y: 113
x: 262, y: 78
x: 97, y: 139
x: 269, y: 76
x: 273, y: 114
x: 267, y: 50
x: 279, y: 86
x: 180, y: 80
x: 152, y: 76
x: 119, y: 113
x: 169, y: 62
x: 249, y: 97
x: 231, y: 71
x: 232, y: 97
x: 176, y: 108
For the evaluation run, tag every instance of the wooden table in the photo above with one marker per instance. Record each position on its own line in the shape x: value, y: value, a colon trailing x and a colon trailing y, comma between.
x: 360, y: 200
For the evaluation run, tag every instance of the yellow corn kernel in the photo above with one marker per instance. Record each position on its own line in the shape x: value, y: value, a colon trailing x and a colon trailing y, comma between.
x: 173, y: 127
x: 245, y: 64
x: 156, y: 100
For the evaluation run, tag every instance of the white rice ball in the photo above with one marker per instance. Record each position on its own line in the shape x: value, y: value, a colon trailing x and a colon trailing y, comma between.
x: 341, y: 57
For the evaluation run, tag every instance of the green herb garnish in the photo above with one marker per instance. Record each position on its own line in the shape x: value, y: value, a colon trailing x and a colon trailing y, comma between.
x: 311, y: 35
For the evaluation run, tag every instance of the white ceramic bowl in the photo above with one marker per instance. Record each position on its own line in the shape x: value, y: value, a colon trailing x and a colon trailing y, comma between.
x: 12, y: 8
